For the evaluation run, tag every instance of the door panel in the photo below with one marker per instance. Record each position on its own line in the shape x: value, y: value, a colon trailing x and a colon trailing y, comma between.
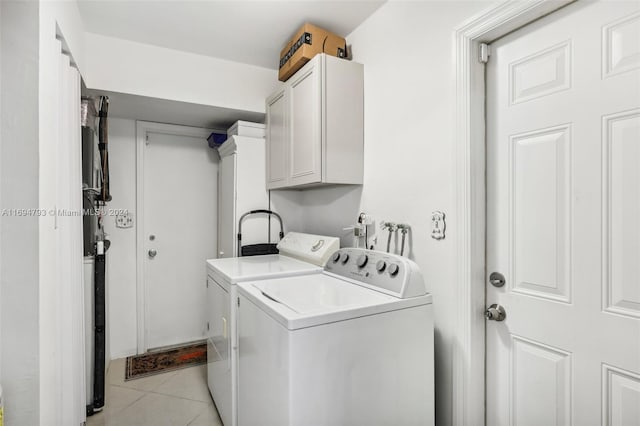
x: 563, y: 218
x: 621, y: 198
x: 540, y: 166
x: 180, y: 205
x: 621, y: 390
x: 541, y: 384
x: 621, y: 48
x: 277, y: 140
x: 306, y: 142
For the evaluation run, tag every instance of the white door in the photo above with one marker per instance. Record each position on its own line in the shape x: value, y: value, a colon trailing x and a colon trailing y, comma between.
x: 563, y: 212
x: 179, y: 233
x: 305, y: 132
x: 227, y: 206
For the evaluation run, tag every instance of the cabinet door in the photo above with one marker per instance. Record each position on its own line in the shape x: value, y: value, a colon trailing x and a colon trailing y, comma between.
x: 227, y: 206
x: 277, y: 140
x: 306, y: 133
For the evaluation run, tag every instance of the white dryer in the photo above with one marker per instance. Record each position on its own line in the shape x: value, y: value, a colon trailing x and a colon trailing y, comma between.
x: 350, y: 346
x: 300, y: 254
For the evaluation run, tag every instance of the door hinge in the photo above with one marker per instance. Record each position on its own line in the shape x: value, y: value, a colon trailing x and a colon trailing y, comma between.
x: 207, y: 283
x: 238, y: 302
x: 484, y: 52
x: 207, y: 326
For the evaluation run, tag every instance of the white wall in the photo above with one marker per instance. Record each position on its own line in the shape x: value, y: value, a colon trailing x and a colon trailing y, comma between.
x: 408, y: 52
x: 325, y: 211
x: 121, y: 257
x: 56, y: 18
x: 140, y: 69
x: 19, y: 348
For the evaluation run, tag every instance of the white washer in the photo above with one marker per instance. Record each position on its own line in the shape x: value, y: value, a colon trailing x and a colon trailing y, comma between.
x: 301, y: 254
x: 350, y: 346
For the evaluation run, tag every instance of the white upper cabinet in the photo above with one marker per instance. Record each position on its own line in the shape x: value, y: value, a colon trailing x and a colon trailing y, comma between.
x: 315, y: 124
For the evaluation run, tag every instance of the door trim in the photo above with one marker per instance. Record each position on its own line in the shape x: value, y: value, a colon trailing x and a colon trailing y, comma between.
x: 468, y: 394
x: 142, y: 128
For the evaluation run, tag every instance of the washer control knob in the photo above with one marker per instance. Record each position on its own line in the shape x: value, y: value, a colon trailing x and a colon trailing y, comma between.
x: 345, y: 258
x: 362, y: 260
x: 381, y: 265
x: 394, y: 269
x: 335, y: 257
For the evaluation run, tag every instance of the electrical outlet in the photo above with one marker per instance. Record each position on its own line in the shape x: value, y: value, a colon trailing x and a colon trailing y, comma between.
x: 124, y: 220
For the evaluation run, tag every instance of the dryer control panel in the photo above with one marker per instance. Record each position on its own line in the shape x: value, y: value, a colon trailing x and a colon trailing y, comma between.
x: 315, y: 249
x: 380, y: 271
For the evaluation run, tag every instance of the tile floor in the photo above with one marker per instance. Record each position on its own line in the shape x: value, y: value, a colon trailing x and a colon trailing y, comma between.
x: 177, y: 398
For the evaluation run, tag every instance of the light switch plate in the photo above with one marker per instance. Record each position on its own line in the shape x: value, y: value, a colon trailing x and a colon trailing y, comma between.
x: 438, y: 225
x: 124, y: 220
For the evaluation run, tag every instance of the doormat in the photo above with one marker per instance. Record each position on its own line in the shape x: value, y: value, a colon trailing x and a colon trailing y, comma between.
x: 162, y: 361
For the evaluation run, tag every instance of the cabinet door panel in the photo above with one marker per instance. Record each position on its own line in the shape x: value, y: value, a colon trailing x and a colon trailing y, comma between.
x: 277, y: 140
x: 306, y: 140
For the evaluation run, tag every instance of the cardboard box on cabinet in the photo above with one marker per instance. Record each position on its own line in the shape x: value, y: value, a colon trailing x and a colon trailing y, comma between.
x: 308, y: 41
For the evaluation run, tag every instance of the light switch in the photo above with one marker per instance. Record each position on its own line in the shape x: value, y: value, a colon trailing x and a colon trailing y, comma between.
x: 438, y: 225
x: 124, y: 220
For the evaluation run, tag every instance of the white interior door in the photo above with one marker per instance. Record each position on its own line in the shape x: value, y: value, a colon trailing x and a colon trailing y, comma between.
x: 179, y: 233
x: 563, y: 219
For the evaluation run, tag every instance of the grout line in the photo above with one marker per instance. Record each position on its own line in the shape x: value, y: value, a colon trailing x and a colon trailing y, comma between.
x: 132, y: 402
x: 157, y: 392
x: 144, y: 393
x: 195, y: 418
x: 168, y: 375
x: 203, y: 413
x: 182, y: 397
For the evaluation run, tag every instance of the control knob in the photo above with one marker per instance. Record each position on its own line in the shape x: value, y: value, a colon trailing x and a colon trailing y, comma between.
x: 345, y: 258
x: 381, y: 265
x: 335, y: 257
x: 394, y: 269
x: 362, y: 260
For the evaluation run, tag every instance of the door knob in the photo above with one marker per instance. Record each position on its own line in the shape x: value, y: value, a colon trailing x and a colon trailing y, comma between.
x: 496, y: 279
x: 152, y: 253
x: 495, y: 313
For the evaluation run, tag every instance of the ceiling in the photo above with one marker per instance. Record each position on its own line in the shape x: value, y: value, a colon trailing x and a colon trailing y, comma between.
x: 251, y: 32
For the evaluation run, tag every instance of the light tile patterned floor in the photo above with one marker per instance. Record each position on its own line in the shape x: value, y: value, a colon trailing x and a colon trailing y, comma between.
x: 177, y: 398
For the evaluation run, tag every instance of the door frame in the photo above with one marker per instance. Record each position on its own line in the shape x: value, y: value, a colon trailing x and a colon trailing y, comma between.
x: 468, y: 395
x: 142, y: 128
